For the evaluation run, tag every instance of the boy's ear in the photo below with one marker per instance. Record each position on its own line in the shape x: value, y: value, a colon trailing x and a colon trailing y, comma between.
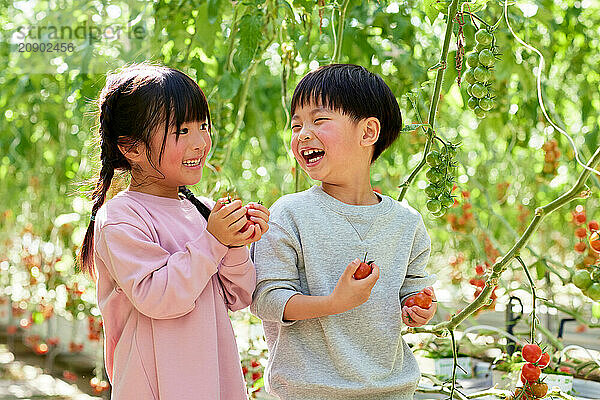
x: 370, y: 131
x: 132, y: 151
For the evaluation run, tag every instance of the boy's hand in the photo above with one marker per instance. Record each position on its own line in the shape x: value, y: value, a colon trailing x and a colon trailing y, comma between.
x: 259, y: 216
x: 416, y: 316
x: 350, y: 292
x: 225, y: 222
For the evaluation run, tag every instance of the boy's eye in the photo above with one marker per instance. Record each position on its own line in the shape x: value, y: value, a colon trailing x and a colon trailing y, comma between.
x: 296, y: 126
x: 321, y: 119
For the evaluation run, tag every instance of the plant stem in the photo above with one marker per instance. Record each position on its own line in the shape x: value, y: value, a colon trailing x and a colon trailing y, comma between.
x: 340, y: 33
x: 532, y: 285
x: 435, y: 97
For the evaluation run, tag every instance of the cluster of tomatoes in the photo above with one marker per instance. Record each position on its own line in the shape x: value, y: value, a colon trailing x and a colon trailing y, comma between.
x: 94, y: 328
x: 587, y: 276
x: 533, y: 388
x: 441, y: 176
x: 479, y: 76
x: 551, y: 155
x: 463, y: 220
x: 253, y: 369
x: 479, y: 283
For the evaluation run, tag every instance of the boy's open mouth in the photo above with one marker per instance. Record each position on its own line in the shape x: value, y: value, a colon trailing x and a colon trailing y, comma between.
x: 312, y: 156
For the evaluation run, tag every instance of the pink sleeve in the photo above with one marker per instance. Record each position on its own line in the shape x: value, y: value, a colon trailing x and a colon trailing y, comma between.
x: 238, y: 276
x: 160, y: 285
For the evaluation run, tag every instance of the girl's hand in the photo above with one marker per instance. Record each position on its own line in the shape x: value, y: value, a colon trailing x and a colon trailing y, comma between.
x: 350, y: 292
x: 226, y: 221
x: 416, y: 316
x: 259, y: 215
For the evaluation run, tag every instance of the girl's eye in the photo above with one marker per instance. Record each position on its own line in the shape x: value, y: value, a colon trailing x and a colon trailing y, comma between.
x: 183, y: 131
x: 204, y: 127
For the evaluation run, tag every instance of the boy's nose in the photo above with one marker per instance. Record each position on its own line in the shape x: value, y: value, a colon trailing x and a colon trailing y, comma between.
x: 305, y: 134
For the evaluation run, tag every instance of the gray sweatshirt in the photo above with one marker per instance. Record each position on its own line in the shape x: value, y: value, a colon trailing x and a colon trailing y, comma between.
x: 359, y: 354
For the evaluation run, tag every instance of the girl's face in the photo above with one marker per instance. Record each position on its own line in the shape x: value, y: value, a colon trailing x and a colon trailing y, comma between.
x: 181, y: 164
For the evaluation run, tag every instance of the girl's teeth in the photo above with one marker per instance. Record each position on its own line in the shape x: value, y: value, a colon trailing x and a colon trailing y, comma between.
x: 191, y: 163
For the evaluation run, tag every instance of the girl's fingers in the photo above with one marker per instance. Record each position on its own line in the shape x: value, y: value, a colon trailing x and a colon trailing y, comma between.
x: 261, y: 222
x: 238, y: 225
x: 235, y: 217
x: 231, y: 207
x: 258, y: 214
x: 218, y: 205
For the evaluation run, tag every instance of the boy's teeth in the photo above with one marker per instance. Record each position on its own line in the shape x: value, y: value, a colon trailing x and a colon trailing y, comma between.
x: 191, y: 163
x: 313, y: 155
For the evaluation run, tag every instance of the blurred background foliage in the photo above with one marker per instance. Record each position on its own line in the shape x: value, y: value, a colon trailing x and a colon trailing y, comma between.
x: 248, y: 56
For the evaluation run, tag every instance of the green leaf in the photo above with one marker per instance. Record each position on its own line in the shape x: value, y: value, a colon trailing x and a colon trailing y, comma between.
x: 431, y: 10
x: 229, y: 85
x: 214, y: 7
x: 250, y: 35
x: 540, y: 269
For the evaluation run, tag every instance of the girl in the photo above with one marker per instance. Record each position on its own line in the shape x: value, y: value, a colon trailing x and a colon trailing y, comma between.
x: 166, y: 274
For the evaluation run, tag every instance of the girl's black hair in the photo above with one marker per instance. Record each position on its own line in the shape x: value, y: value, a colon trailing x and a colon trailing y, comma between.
x: 136, y: 101
x: 355, y: 92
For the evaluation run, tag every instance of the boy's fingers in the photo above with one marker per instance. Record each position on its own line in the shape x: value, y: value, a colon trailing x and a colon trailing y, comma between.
x: 351, y: 268
x: 416, y: 317
x: 374, y: 275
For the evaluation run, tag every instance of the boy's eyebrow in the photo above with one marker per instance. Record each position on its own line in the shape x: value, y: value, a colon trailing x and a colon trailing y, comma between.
x: 314, y: 111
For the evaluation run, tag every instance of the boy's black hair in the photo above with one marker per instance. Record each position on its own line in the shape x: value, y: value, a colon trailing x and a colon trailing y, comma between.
x: 353, y: 91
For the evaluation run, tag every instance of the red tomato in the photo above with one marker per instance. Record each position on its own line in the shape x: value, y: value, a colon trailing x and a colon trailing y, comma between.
x: 531, y: 353
x: 595, y: 241
x: 544, y: 360
x: 531, y: 372
x: 581, y: 246
x: 423, y: 300
x: 593, y: 225
x: 254, y: 363
x: 363, y: 271
x: 581, y: 232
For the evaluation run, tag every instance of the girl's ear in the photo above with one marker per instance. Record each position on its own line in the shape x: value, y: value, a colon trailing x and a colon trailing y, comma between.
x: 370, y: 131
x: 132, y: 151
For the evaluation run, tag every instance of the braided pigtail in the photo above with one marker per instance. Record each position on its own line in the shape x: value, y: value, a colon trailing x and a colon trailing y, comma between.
x: 204, y: 210
x: 111, y: 159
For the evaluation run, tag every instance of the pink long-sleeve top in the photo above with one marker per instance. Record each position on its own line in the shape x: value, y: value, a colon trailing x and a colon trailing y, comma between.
x: 167, y: 331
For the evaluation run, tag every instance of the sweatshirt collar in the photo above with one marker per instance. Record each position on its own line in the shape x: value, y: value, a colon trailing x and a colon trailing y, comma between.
x: 369, y: 211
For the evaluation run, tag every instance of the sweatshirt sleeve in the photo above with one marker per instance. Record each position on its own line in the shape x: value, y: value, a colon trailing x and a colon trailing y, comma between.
x: 276, y: 257
x: 416, y: 277
x: 238, y: 278
x: 160, y: 285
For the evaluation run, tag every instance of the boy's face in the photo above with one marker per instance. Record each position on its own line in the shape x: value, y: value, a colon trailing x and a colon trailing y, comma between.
x: 329, y: 145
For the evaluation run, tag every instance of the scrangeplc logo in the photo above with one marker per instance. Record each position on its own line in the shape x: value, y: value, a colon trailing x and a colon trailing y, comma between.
x: 91, y: 33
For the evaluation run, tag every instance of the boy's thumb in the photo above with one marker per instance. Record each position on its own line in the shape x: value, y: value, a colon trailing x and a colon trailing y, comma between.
x: 352, y: 267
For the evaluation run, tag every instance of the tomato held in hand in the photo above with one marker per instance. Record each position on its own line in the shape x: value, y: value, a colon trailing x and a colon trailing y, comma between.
x: 595, y: 241
x: 531, y: 353
x: 423, y: 300
x: 364, y: 269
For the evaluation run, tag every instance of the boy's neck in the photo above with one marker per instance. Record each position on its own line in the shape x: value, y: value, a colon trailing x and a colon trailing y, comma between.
x: 358, y: 194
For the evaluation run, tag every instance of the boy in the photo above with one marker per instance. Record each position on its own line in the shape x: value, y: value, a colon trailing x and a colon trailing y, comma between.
x: 331, y: 336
